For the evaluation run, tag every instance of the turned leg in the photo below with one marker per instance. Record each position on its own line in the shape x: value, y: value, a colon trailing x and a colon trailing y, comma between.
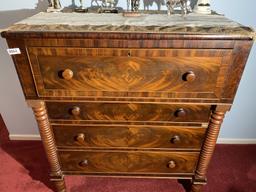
x: 48, y: 142
x: 207, y: 151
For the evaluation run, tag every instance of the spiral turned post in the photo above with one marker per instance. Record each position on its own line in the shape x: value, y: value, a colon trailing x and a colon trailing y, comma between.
x: 207, y: 150
x: 41, y: 116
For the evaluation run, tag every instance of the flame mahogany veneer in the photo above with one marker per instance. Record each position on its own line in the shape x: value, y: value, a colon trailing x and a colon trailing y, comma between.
x: 129, y: 104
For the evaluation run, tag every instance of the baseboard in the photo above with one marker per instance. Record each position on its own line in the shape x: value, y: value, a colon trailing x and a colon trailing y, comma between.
x: 24, y: 137
x: 220, y: 140
x: 236, y: 141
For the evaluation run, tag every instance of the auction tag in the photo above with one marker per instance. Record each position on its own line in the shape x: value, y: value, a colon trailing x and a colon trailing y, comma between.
x: 13, y: 51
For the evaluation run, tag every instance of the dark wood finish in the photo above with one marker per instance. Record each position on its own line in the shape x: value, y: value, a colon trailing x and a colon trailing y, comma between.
x: 136, y: 41
x: 118, y: 71
x: 224, y: 82
x: 123, y: 112
x: 240, y: 55
x: 127, y: 162
x: 129, y: 137
x: 207, y: 150
x: 23, y: 68
x: 48, y: 142
x: 143, y: 101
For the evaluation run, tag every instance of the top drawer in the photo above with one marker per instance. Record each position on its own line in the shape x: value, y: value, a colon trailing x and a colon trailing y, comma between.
x: 175, y: 73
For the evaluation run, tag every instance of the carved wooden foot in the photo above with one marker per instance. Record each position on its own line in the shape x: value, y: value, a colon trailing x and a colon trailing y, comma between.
x: 59, y: 183
x: 192, y: 185
x: 197, y: 185
x: 48, y: 143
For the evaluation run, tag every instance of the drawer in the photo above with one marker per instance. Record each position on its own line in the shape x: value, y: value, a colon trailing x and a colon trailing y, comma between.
x: 123, y: 112
x: 128, y: 137
x: 78, y: 72
x: 128, y: 162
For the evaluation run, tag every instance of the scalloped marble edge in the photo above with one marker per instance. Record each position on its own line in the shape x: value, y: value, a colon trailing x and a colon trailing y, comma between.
x: 238, y: 31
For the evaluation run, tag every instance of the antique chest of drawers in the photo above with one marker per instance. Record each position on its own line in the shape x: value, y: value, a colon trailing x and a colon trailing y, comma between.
x: 134, y: 100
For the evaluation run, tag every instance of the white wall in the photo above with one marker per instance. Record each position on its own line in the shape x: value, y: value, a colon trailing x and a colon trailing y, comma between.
x: 239, y: 123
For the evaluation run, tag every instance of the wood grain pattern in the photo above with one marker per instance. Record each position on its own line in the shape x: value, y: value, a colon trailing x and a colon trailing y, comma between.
x: 223, y: 85
x: 241, y: 52
x: 207, y: 150
x: 130, y: 104
x: 132, y: 137
x: 141, y: 41
x: 126, y: 70
x: 48, y: 143
x: 23, y: 69
x: 124, y: 112
x: 123, y: 35
x: 127, y: 162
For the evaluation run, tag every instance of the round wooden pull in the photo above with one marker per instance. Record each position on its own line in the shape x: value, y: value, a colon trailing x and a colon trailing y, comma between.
x: 189, y: 76
x: 180, y: 113
x: 175, y: 139
x: 83, y: 163
x: 80, y: 137
x: 67, y: 74
x: 171, y: 164
x: 75, y: 111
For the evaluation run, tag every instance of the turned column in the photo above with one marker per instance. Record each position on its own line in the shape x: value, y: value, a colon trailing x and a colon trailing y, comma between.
x: 207, y: 150
x: 48, y: 142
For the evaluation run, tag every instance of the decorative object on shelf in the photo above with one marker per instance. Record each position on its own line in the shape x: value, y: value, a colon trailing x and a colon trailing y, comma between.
x: 96, y: 2
x: 134, y: 11
x: 135, y: 4
x: 81, y: 8
x: 203, y: 7
x: 108, y: 6
x: 128, y: 4
x: 184, y: 5
x: 150, y: 3
x: 54, y: 5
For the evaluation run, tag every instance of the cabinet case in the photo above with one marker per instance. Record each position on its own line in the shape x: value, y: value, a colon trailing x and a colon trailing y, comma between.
x: 130, y: 104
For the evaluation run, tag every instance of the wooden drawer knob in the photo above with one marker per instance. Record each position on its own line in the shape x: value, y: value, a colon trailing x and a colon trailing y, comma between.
x: 175, y: 139
x: 180, y: 113
x: 67, y: 74
x: 83, y: 163
x: 80, y: 137
x: 171, y: 164
x: 76, y: 111
x: 189, y: 76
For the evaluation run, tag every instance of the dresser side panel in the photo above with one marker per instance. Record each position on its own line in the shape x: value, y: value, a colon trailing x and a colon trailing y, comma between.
x: 21, y: 62
x: 236, y: 67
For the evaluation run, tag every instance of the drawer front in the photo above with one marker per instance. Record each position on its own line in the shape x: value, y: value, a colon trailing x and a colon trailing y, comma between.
x: 120, y: 72
x: 123, y: 112
x: 128, y: 137
x: 128, y: 162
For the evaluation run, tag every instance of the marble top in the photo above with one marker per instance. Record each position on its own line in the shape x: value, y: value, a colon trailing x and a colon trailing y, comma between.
x: 153, y: 23
x: 78, y: 19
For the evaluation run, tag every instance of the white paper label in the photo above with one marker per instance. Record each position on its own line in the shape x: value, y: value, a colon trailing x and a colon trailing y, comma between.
x: 13, y: 51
